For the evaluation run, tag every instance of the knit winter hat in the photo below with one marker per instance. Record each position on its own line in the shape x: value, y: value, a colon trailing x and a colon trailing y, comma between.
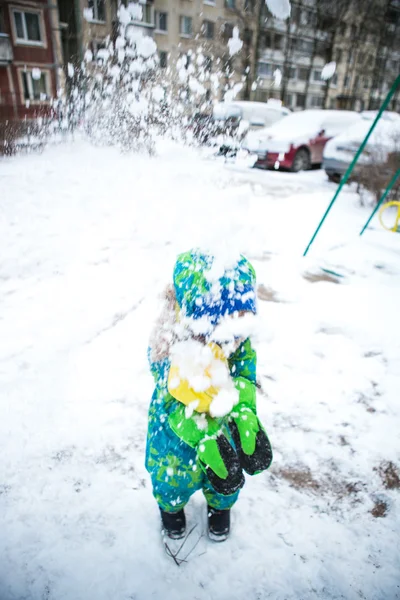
x: 210, y: 288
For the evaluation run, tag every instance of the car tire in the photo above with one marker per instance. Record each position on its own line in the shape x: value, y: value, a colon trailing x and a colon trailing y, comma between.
x: 301, y: 161
x: 334, y: 178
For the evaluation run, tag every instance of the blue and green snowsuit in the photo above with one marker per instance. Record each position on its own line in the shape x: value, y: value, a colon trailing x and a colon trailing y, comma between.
x: 174, y: 466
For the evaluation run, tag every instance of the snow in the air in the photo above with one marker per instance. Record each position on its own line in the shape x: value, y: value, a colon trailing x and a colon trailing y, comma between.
x: 328, y: 70
x: 88, y: 14
x: 235, y: 44
x: 88, y: 239
x: 36, y: 73
x: 279, y: 8
x: 277, y: 78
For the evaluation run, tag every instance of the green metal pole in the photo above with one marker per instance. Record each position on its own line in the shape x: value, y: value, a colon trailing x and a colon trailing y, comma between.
x: 383, y: 198
x: 350, y: 168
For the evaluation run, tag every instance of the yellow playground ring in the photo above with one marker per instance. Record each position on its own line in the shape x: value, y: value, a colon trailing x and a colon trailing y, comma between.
x: 382, y: 210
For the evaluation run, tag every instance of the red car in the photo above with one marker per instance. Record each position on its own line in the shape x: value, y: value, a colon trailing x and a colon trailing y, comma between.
x: 297, y: 141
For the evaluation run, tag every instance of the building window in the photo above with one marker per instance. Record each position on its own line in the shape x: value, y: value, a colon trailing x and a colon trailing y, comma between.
x: 308, y: 17
x: 300, y: 100
x: 303, y: 46
x: 227, y: 31
x: 268, y: 39
x: 346, y: 81
x: 99, y: 9
x: 334, y: 80
x: 28, y: 27
x: 163, y: 59
x: 186, y: 26
x: 317, y: 101
x: 317, y: 75
x: 35, y: 85
x: 289, y: 99
x: 302, y: 74
x: 265, y: 69
x: 230, y: 3
x: 338, y: 55
x: 1, y: 20
x: 292, y: 73
x: 207, y: 29
x: 147, y: 14
x: 161, y: 21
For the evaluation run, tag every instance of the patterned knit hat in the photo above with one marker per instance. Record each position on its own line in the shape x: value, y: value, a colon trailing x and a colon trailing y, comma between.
x: 207, y: 287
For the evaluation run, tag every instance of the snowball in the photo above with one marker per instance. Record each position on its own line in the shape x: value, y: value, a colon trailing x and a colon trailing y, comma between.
x: 158, y: 93
x: 223, y: 402
x: 196, y: 87
x: 279, y: 8
x: 328, y: 71
x: 71, y: 70
x: 233, y: 92
x: 136, y: 11
x: 36, y: 73
x: 103, y: 54
x: 235, y: 44
x: 277, y: 77
x: 120, y: 42
x: 88, y: 14
x: 124, y: 15
x: 146, y: 46
x: 254, y: 86
x: 88, y: 56
x: 190, y: 408
x: 115, y: 71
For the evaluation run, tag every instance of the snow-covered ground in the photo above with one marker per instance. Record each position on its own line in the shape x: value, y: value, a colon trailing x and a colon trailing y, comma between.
x: 87, y: 240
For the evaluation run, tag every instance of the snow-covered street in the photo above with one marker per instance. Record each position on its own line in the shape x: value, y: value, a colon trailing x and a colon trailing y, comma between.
x: 88, y: 238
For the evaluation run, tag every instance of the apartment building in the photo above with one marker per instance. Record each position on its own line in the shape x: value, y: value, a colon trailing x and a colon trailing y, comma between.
x: 30, y: 58
x: 367, y: 53
x: 365, y: 47
x: 85, y: 24
x: 298, y: 53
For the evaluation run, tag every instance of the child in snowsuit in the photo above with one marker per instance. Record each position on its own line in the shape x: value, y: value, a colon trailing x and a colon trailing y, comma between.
x: 203, y: 429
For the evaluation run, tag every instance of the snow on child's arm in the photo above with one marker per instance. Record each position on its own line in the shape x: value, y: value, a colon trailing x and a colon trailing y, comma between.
x: 199, y: 378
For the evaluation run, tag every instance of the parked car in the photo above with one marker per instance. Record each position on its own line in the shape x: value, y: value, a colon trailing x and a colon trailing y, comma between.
x: 255, y: 114
x: 297, y: 142
x: 385, y: 139
x: 233, y: 120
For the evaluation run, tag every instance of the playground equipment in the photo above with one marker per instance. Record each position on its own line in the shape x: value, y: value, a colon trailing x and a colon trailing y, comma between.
x: 396, y: 223
x: 381, y: 201
x: 393, y: 89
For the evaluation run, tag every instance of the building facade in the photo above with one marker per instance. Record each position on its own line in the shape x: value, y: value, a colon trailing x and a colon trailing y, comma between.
x: 30, y: 58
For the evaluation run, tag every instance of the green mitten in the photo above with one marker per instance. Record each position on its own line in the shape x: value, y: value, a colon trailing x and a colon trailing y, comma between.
x: 251, y: 441
x: 216, y: 455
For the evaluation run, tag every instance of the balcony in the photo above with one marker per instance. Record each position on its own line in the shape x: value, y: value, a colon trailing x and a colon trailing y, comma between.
x: 6, y: 53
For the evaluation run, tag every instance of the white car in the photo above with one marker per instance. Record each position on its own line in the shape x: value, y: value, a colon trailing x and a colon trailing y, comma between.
x: 253, y: 114
x: 385, y: 139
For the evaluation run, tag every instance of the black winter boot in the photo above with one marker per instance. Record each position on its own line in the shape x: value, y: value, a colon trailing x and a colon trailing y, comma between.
x: 174, y: 524
x: 219, y: 524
